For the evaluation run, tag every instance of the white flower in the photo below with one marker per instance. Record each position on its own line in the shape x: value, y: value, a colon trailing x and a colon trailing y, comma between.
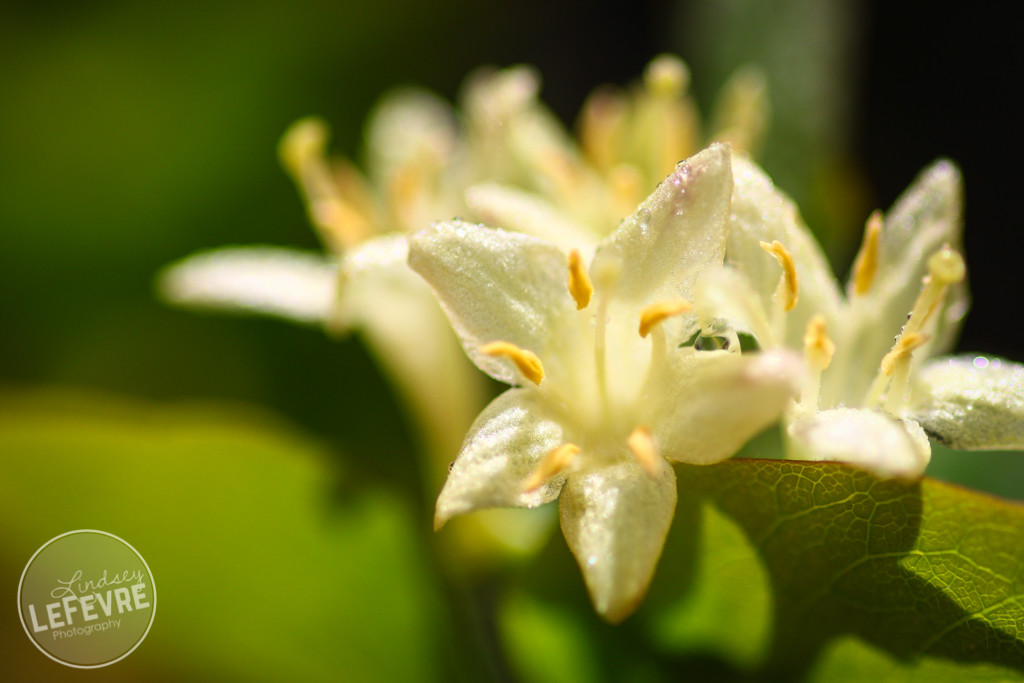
x: 362, y: 283
x: 603, y: 392
x: 574, y: 192
x: 867, y: 400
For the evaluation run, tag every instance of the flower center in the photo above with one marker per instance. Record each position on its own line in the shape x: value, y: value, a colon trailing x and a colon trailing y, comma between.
x: 640, y: 441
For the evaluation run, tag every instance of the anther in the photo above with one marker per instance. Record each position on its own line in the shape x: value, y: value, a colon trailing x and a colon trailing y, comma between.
x: 655, y: 313
x: 788, y: 285
x: 866, y: 264
x: 901, y: 350
x: 552, y: 464
x: 818, y: 351
x: 579, y: 283
x: 817, y: 346
x: 526, y: 361
x: 306, y: 139
x: 641, y: 443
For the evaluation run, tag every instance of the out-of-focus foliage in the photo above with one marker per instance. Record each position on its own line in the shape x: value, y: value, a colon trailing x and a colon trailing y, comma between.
x: 261, y: 572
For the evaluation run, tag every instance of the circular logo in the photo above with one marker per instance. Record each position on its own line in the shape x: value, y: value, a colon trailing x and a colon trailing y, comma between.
x: 86, y: 599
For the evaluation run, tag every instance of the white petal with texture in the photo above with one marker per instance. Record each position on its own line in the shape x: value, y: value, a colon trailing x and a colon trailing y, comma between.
x: 266, y: 280
x: 503, y: 447
x: 971, y: 402
x: 615, y: 520
x: 500, y: 286
x: 867, y: 439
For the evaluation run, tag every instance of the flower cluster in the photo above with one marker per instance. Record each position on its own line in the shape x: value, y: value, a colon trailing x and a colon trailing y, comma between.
x: 585, y: 298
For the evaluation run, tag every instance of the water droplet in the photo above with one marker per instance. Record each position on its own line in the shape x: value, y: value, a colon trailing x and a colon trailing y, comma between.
x: 981, y: 362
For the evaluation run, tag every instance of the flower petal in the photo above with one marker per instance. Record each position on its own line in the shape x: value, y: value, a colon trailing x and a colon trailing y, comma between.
x: 866, y: 439
x: 971, y: 402
x: 714, y: 401
x: 524, y: 212
x: 615, y: 520
x: 500, y: 286
x: 924, y: 218
x: 408, y: 125
x: 679, y: 230
x: 267, y: 280
x: 502, y: 449
x: 762, y: 213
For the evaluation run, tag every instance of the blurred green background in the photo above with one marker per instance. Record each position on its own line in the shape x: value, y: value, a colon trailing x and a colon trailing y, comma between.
x: 264, y: 470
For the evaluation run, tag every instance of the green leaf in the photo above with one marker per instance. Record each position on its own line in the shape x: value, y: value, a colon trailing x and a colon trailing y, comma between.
x: 925, y: 572
x: 263, y: 572
x: 726, y: 610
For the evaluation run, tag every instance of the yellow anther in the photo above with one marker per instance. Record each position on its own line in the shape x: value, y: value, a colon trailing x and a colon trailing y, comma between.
x: 866, y: 264
x: 551, y: 465
x: 818, y: 348
x: 655, y: 313
x: 666, y: 76
x: 304, y: 140
x: 946, y: 266
x: 903, y: 347
x: 526, y: 361
x: 641, y: 443
x: 579, y: 283
x: 789, y: 282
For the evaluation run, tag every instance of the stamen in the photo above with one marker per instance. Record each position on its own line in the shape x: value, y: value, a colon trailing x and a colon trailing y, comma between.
x: 897, y: 364
x: 655, y: 313
x: 866, y: 264
x: 551, y: 465
x: 579, y: 283
x: 343, y: 221
x: 901, y: 350
x: 642, y: 443
x: 817, y: 346
x: 526, y: 361
x: 788, y: 285
x: 818, y: 351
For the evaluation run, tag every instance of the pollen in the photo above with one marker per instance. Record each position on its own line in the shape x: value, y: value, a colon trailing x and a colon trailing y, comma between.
x: 866, y: 264
x: 552, y: 464
x: 526, y: 361
x: 641, y: 443
x: 902, y: 349
x: 818, y: 348
x: 788, y: 286
x: 655, y: 313
x: 579, y: 283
